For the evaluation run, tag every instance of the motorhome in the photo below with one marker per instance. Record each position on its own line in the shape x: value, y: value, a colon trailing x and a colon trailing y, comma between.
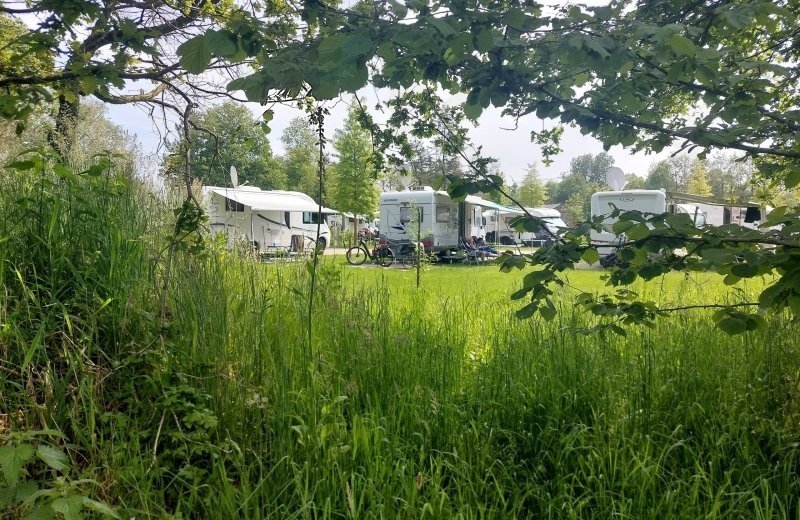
x: 703, y: 210
x: 265, y: 218
x: 499, y: 230
x: 440, y: 221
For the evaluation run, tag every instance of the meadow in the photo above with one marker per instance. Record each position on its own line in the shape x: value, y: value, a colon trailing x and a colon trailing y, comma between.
x: 401, y: 403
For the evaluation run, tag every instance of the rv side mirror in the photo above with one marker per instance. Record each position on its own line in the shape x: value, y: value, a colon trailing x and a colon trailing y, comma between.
x: 753, y: 214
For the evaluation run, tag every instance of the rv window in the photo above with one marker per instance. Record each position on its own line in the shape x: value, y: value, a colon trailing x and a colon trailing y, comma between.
x: 443, y: 214
x: 232, y: 205
x: 752, y: 214
x: 404, y: 216
x: 310, y: 217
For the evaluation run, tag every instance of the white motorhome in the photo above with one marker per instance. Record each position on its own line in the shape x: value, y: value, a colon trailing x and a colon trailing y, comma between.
x: 265, y: 218
x: 645, y: 201
x: 442, y: 223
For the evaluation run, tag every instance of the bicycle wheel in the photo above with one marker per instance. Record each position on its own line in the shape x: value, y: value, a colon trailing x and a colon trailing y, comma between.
x: 356, y: 255
x: 409, y: 262
x: 385, y: 257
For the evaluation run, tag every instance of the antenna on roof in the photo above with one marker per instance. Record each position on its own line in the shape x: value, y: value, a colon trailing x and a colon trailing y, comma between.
x: 615, y: 178
x: 405, y: 181
x: 234, y: 177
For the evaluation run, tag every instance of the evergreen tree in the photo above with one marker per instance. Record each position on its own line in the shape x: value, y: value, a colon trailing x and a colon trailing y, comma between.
x: 531, y: 191
x: 353, y: 176
x: 697, y: 181
x: 300, y: 163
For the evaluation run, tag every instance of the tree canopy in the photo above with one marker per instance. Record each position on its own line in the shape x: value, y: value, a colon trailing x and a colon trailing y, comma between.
x: 222, y: 136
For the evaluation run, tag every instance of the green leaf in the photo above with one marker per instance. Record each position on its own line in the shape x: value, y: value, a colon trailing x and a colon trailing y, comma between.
x: 99, y: 507
x: 356, y: 45
x: 442, y: 26
x: 527, y: 311
x: 621, y: 226
x: 616, y: 329
x: 399, y: 9
x: 330, y: 48
x: 484, y: 40
x: 472, y: 112
x: 536, y: 277
x: 354, y: 77
x: 768, y: 296
x: 548, y: 311
x: 69, y: 507
x: 12, y: 459
x: 682, y: 46
x: 718, y: 256
x: 53, y: 457
x: 744, y: 270
x: 732, y: 325
x: 194, y: 55
x: 792, y: 178
x: 794, y: 304
x: 221, y: 43
x: 517, y: 295
x: 22, y: 165
x: 638, y: 231
x: 63, y: 171
x: 515, y: 18
x: 42, y: 513
x: 590, y: 256
x: 499, y: 98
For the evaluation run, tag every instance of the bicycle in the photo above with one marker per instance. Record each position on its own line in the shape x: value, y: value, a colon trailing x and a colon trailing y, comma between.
x: 409, y: 257
x: 381, y: 254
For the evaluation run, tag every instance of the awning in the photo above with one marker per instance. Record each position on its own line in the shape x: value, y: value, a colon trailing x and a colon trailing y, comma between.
x: 472, y: 199
x: 268, y: 200
x: 710, y: 200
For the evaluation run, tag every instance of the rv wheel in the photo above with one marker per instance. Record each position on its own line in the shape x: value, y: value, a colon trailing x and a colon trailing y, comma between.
x: 322, y: 244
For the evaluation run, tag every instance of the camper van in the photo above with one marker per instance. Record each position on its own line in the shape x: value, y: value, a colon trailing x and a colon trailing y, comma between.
x: 498, y: 228
x: 443, y: 221
x: 645, y: 201
x: 265, y: 218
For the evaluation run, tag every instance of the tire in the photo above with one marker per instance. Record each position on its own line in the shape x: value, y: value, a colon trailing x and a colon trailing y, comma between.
x: 385, y: 257
x: 356, y: 255
x: 322, y: 244
x: 409, y: 262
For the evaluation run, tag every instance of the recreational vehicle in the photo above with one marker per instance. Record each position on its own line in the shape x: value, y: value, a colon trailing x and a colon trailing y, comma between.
x: 441, y: 221
x: 265, y: 218
x: 645, y: 201
x: 499, y: 229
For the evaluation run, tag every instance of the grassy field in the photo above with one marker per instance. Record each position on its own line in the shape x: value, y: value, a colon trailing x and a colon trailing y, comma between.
x: 438, y: 403
x: 402, y: 403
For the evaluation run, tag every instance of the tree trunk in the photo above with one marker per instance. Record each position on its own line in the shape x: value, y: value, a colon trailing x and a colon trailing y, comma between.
x: 62, y: 138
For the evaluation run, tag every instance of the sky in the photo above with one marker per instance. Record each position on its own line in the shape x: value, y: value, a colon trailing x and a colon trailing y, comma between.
x: 512, y: 148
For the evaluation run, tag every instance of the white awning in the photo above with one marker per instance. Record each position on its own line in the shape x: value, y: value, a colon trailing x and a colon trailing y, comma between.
x: 472, y: 199
x: 267, y: 200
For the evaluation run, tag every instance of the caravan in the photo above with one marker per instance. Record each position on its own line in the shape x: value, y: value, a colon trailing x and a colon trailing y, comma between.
x: 499, y: 229
x: 265, y: 218
x: 442, y: 221
x: 645, y: 201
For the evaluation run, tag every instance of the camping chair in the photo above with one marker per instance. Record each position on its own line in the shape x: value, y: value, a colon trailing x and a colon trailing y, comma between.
x: 472, y: 255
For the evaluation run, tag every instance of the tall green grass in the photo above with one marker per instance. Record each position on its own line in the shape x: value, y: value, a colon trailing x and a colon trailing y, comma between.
x: 405, y: 403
